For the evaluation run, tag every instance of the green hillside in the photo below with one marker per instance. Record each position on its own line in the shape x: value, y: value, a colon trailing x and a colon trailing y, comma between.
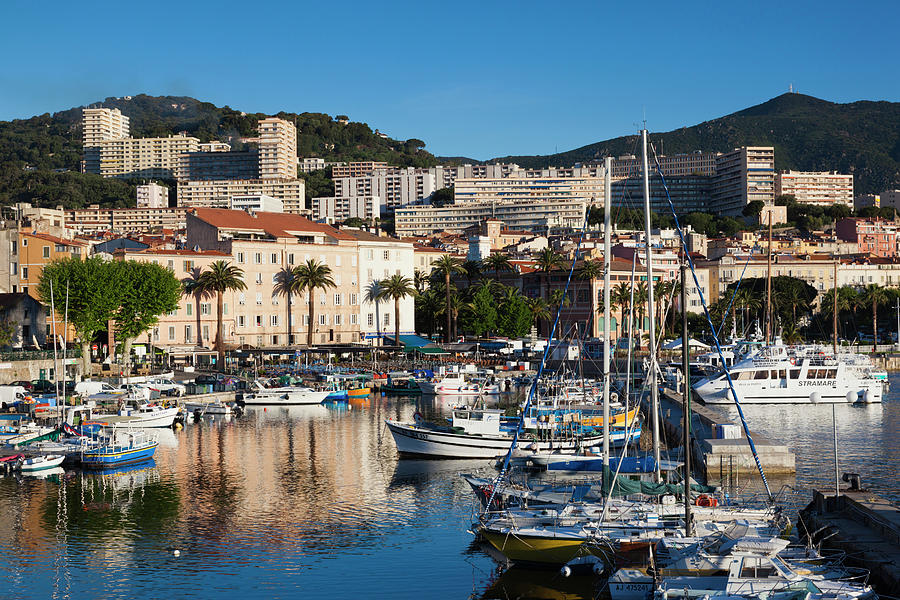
x: 808, y: 134
x: 53, y: 142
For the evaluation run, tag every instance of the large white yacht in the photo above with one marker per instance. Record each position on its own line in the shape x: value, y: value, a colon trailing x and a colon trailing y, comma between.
x: 796, y: 375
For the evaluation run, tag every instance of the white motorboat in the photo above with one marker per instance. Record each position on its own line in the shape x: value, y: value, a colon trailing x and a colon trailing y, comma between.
x: 454, y: 385
x: 41, y: 463
x: 284, y: 396
x: 141, y: 414
x: 807, y: 375
x: 477, y: 434
x: 213, y: 407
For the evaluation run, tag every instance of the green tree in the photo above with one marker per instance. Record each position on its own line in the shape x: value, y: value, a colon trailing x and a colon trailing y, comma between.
x: 497, y: 262
x: 397, y: 287
x: 95, y: 294
x: 373, y: 296
x: 192, y: 286
x: 447, y: 266
x: 313, y: 275
x: 221, y: 277
x: 482, y: 318
x: 538, y: 309
x: 148, y: 291
x: 621, y: 297
x: 442, y: 197
x: 514, y: 317
x: 287, y: 284
x: 873, y: 295
x: 589, y: 271
x: 753, y: 209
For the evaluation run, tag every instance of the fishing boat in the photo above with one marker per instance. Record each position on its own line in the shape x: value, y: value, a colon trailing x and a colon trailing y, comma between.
x: 359, y: 392
x: 480, y: 433
x: 284, y: 396
x: 139, y: 413
x: 41, y: 463
x: 807, y: 375
x: 401, y: 387
x: 120, y: 448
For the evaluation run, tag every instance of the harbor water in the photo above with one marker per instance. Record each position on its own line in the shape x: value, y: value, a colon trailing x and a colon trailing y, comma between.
x: 313, y: 502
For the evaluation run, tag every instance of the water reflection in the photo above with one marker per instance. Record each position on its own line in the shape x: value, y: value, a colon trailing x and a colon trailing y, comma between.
x: 313, y: 500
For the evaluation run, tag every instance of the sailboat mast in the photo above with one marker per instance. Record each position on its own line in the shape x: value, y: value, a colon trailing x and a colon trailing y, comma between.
x: 607, y: 211
x: 686, y: 398
x: 769, y: 286
x: 835, y: 307
x: 651, y: 330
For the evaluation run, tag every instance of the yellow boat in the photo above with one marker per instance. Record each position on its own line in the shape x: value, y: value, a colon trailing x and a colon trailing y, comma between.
x: 618, y: 420
x: 359, y: 392
x: 540, y: 546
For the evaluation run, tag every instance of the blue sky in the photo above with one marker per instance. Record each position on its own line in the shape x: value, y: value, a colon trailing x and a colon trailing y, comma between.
x: 479, y: 79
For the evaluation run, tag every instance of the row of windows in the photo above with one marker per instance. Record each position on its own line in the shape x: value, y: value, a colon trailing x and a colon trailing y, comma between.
x: 259, y: 258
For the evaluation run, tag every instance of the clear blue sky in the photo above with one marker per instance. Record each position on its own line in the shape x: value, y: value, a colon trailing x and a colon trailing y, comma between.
x: 479, y: 79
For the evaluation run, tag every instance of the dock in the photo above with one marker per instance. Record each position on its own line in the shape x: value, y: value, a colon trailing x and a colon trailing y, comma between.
x: 720, y: 449
x: 862, y: 524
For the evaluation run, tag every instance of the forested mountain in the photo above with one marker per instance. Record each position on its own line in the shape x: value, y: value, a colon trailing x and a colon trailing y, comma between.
x: 808, y: 134
x: 49, y: 142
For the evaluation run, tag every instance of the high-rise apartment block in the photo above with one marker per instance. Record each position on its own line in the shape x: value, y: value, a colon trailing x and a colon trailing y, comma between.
x: 677, y: 165
x: 152, y: 195
x: 277, y: 149
x: 822, y: 188
x: 156, y: 158
x: 218, y: 193
x: 742, y: 176
x: 357, y: 169
x: 99, y: 125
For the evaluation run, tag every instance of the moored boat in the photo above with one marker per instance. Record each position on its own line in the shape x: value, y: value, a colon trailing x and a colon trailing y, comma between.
x: 41, y: 463
x: 120, y: 449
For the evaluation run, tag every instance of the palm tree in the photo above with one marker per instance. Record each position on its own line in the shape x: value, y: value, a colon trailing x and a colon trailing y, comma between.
x: 447, y: 266
x: 548, y: 260
x: 397, y: 287
x: 640, y: 303
x: 874, y: 294
x: 591, y: 270
x: 373, y: 296
x: 538, y: 309
x: 497, y: 262
x: 310, y: 276
x: 846, y: 302
x: 220, y: 278
x: 286, y: 284
x: 472, y: 269
x: 192, y: 287
x: 621, y: 297
x: 420, y: 281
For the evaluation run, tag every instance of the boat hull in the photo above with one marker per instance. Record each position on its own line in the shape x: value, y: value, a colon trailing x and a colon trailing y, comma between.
x: 160, y: 418
x: 292, y: 398
x: 41, y: 465
x: 103, y: 459
x: 412, y: 440
x: 535, y: 550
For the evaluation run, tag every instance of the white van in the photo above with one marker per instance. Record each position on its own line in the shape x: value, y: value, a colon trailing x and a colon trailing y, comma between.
x: 89, y: 388
x: 10, y: 394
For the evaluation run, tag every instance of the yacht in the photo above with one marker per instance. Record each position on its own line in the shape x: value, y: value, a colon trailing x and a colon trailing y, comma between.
x: 796, y: 375
x: 284, y: 396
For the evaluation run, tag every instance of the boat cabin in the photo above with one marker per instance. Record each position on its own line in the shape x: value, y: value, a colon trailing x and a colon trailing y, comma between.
x: 478, y: 422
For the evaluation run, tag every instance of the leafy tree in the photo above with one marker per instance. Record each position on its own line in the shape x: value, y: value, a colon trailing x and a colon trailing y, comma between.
x: 482, y: 318
x: 8, y: 333
x: 311, y: 276
x: 354, y: 222
x: 148, y: 291
x: 221, y: 277
x: 397, y: 287
x: 442, y: 197
x: 873, y: 295
x: 446, y: 266
x: 514, y: 317
x: 753, y: 209
x: 319, y: 184
x: 95, y: 294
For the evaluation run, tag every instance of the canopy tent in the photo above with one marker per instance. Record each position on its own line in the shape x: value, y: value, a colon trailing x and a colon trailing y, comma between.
x: 692, y: 343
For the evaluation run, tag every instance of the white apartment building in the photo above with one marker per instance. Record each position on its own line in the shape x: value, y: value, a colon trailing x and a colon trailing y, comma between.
x: 277, y: 149
x: 152, y: 195
x: 356, y: 169
x: 446, y: 176
x: 529, y: 215
x: 99, y: 125
x: 520, y: 188
x: 215, y: 146
x: 218, y: 193
x: 677, y: 165
x: 823, y: 188
x: 156, y: 158
x: 395, y: 186
x: 742, y: 176
x: 257, y: 202
x: 310, y: 164
x: 337, y: 210
x: 379, y: 259
x: 93, y: 219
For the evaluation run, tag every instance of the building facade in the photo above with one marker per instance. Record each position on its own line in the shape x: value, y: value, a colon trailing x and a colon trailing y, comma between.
x: 152, y: 158
x: 872, y: 236
x: 823, y: 188
x: 277, y: 149
x: 337, y: 210
x: 530, y: 215
x: 218, y: 193
x: 742, y: 176
x: 99, y: 125
x: 152, y: 195
x: 93, y: 219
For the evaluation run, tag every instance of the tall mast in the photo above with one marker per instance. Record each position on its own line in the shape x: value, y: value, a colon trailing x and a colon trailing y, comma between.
x: 607, y: 185
x: 769, y: 286
x: 835, y: 307
x: 651, y: 331
x: 686, y: 398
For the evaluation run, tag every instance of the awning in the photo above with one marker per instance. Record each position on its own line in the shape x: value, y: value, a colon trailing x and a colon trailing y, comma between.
x: 431, y: 350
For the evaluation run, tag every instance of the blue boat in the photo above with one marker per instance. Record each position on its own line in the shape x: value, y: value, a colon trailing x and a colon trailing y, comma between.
x: 122, y: 448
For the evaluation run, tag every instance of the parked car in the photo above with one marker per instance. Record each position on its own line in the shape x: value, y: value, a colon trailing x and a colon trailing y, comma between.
x: 25, y: 384
x: 42, y: 386
x: 167, y: 386
x: 89, y: 388
x: 207, y: 379
x: 140, y: 390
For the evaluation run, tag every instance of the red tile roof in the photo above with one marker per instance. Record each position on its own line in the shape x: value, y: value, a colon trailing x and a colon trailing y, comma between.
x: 55, y: 240
x: 164, y: 252
x: 275, y: 224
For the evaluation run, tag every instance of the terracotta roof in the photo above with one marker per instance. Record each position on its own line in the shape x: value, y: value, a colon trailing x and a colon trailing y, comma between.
x: 368, y: 236
x: 164, y: 252
x: 275, y: 224
x: 56, y: 240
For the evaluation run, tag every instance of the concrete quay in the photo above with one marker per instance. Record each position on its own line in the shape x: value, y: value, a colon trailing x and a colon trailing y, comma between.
x: 862, y: 524
x: 721, y: 460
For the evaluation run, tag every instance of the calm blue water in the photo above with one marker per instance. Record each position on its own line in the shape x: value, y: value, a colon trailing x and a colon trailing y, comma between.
x: 312, y: 501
